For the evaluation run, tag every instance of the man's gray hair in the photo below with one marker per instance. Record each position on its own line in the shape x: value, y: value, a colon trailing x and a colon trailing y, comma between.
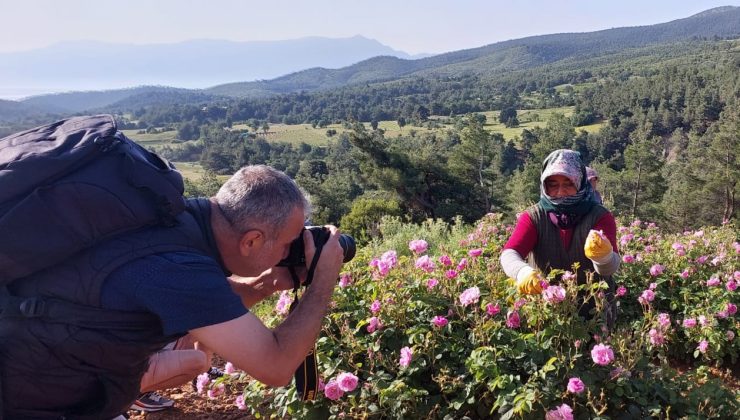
x: 260, y: 196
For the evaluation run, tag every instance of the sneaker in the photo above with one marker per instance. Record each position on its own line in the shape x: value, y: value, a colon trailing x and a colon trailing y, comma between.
x: 151, y: 402
x: 215, y: 373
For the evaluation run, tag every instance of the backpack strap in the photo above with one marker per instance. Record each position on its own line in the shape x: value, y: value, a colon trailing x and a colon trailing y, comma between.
x: 60, y: 311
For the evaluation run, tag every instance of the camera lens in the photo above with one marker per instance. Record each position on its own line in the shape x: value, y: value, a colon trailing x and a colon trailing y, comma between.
x: 348, y: 245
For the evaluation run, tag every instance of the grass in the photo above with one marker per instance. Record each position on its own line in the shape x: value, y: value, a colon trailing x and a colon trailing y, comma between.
x: 305, y: 133
x: 193, y: 172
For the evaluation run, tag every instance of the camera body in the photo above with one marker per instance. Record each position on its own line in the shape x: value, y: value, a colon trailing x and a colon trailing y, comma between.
x: 297, y: 255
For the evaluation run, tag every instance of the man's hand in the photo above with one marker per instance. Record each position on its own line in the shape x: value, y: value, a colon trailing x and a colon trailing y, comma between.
x: 597, y: 246
x: 331, y: 258
x: 528, y: 281
x: 254, y: 289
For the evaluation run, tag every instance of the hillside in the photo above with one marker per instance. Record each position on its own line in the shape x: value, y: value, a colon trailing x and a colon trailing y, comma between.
x: 518, y: 54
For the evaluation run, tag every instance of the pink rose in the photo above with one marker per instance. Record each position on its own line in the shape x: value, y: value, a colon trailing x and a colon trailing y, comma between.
x: 469, y: 296
x: 445, y: 260
x: 656, y: 337
x: 418, y: 246
x: 628, y: 259
x: 703, y: 346
x: 431, y: 283
x: 375, y: 306
x: 450, y: 274
x: 216, y: 391
x: 564, y: 412
x: 492, y: 309
x: 689, y: 323
x: 731, y: 308
x: 602, y: 354
x: 239, y: 402
x: 229, y: 368
x: 553, y: 294
x: 475, y: 252
x: 621, y: 291
x: 656, y: 270
x: 439, y: 321
x: 512, y: 319
x: 576, y: 385
x: 347, y: 382
x: 731, y: 285
x: 406, y: 354
x: 333, y: 391
x: 425, y: 263
x: 714, y: 281
x: 345, y: 280
x: 373, y: 324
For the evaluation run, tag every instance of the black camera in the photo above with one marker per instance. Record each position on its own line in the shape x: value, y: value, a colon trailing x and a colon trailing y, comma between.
x: 297, y: 256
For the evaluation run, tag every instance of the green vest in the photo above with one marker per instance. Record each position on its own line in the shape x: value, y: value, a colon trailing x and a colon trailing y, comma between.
x: 549, y: 253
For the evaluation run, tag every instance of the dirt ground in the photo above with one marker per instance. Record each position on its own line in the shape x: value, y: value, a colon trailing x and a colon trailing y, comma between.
x: 191, y: 406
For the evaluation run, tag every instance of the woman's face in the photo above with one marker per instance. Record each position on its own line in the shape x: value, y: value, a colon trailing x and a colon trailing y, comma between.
x: 557, y: 186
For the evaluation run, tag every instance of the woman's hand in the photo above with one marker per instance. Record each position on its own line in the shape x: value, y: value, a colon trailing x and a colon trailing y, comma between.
x: 528, y: 281
x: 597, y: 246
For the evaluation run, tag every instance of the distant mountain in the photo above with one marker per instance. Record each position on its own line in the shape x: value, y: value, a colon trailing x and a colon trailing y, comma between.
x: 517, y: 54
x: 87, y: 65
x: 494, y: 60
x: 72, y: 102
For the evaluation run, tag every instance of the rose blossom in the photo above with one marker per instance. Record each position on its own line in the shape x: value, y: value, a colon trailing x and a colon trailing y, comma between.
x: 646, y: 296
x: 462, y: 264
x: 621, y: 291
x: 684, y: 274
x: 425, y: 263
x: 445, y: 260
x: 656, y: 338
x: 450, y: 274
x: 731, y: 285
x: 431, y: 283
x: 373, y: 324
x: 345, y: 280
x: 627, y: 258
x: 730, y: 335
x: 201, y: 382
x: 714, y: 281
x: 405, y: 359
x: 576, y: 385
x: 475, y: 252
x: 239, y: 402
x: 553, y: 294
x: 703, y: 346
x: 568, y: 276
x: 512, y: 319
x: 229, y: 368
x: 492, y: 309
x: 469, y: 296
x: 564, y: 412
x: 439, y: 321
x: 375, y: 306
x: 731, y: 308
x: 689, y: 323
x: 216, y: 391
x: 656, y: 270
x: 333, y: 391
x: 347, y: 381
x: 602, y: 354
x: 664, y: 320
x: 418, y: 246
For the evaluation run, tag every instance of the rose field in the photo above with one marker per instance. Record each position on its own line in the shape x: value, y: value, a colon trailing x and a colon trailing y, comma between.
x: 425, y: 324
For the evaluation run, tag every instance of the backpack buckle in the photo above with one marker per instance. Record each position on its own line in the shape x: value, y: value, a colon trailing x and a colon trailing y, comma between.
x: 32, y: 307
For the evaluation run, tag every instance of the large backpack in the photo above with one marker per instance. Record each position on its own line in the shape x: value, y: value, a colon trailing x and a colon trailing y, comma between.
x: 71, y: 184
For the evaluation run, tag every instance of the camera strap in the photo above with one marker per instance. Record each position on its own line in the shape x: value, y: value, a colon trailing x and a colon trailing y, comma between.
x: 307, y: 374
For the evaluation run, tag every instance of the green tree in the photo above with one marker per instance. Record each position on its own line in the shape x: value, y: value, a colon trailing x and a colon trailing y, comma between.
x: 363, y: 219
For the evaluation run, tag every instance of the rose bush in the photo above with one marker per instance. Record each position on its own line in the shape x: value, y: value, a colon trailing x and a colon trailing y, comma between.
x: 415, y: 340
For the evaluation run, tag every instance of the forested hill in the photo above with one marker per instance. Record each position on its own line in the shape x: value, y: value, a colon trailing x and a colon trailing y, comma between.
x: 530, y: 52
x: 487, y: 62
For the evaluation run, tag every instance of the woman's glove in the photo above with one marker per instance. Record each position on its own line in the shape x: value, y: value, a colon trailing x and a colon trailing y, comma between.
x: 528, y: 281
x: 597, y: 247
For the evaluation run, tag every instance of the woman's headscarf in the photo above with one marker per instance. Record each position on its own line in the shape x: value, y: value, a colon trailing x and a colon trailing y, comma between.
x: 566, y: 212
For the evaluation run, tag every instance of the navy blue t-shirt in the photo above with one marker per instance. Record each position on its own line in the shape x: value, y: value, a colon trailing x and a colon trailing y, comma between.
x: 185, y: 290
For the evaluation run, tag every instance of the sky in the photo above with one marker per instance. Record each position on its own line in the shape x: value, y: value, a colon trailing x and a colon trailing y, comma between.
x: 412, y: 26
